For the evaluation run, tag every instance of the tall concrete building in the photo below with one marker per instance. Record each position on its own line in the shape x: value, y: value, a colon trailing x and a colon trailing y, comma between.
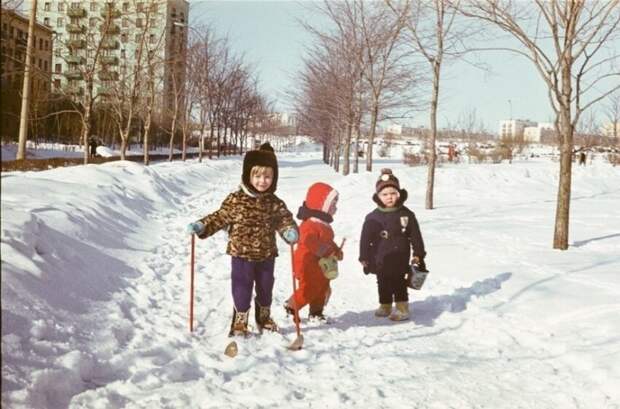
x: 101, y: 42
x: 14, y: 40
x: 513, y: 128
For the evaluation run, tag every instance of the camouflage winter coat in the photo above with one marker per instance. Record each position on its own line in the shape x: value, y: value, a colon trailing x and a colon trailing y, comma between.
x: 252, y: 221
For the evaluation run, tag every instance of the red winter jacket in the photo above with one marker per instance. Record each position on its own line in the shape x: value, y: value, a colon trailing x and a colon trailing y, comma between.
x: 316, y: 240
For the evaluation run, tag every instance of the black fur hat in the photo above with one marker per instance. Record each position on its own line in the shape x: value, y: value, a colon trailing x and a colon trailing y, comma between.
x: 261, y: 157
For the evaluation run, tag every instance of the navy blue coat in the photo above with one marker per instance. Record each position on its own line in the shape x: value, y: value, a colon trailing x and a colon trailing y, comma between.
x: 388, y: 236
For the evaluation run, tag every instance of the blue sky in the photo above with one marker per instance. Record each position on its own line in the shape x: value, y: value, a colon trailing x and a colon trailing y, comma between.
x: 270, y: 37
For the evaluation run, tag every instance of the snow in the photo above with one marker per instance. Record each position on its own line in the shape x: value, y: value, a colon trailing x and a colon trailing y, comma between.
x: 95, y: 291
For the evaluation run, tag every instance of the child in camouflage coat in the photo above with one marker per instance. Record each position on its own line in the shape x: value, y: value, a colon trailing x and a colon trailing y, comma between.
x: 252, y: 215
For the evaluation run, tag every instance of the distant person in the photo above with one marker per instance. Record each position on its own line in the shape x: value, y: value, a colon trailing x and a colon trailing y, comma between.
x: 582, y: 158
x: 316, y: 255
x: 93, y: 147
x: 388, y: 235
x: 252, y: 215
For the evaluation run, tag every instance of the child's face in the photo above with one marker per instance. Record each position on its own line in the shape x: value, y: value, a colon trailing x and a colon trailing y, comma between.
x: 261, y: 180
x: 333, y: 207
x: 389, y: 196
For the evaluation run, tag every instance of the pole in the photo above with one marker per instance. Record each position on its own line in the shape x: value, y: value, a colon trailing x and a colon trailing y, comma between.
x: 299, y: 340
x: 191, y: 286
x: 23, y: 118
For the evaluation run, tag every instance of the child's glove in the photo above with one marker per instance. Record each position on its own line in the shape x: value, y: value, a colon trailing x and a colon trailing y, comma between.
x: 195, y: 228
x: 338, y: 254
x: 290, y: 235
x: 419, y: 263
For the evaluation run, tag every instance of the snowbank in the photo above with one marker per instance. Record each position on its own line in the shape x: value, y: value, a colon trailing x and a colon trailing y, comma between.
x: 95, y: 294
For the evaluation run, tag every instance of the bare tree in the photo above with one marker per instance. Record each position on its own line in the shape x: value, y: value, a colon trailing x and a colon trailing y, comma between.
x: 564, y: 40
x: 431, y: 25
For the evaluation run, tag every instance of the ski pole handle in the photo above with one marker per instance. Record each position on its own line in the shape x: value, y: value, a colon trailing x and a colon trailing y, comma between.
x: 191, y: 285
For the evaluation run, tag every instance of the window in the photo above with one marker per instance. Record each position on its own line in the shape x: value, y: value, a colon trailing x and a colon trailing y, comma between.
x: 125, y: 6
x: 45, y: 65
x: 61, y: 6
x: 46, y: 21
x: 93, y: 6
x: 40, y: 44
x: 58, y: 68
x: 60, y: 22
x: 40, y: 64
x: 47, y: 45
x: 137, y: 38
x: 124, y: 38
x: 140, y: 6
x: 47, y: 6
x: 125, y: 22
x: 139, y: 22
x: 57, y: 52
x: 75, y: 5
x: 57, y: 84
x: 152, y: 39
x: 123, y: 55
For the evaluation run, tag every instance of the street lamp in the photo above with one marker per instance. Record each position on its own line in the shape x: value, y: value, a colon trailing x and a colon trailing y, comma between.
x: 510, y: 104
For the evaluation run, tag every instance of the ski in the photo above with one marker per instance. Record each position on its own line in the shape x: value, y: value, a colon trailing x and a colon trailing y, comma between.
x: 231, y: 349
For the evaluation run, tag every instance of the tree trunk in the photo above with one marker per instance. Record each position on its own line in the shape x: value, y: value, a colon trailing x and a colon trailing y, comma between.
x: 430, y: 182
x: 371, y: 137
x: 347, y: 150
x: 172, y: 134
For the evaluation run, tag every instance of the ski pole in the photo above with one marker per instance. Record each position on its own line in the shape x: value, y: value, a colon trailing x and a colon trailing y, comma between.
x: 191, y: 286
x: 298, y: 342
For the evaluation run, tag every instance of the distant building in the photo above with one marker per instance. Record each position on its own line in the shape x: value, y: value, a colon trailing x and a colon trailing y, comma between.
x: 14, y: 39
x: 611, y: 129
x: 284, y: 119
x: 115, y: 29
x: 513, y: 128
x: 537, y: 133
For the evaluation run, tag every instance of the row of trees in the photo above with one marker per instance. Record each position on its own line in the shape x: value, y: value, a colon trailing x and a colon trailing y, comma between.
x: 374, y: 59
x: 169, y: 84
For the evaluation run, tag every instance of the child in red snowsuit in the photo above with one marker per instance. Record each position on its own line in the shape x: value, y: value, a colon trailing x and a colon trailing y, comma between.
x: 316, y: 240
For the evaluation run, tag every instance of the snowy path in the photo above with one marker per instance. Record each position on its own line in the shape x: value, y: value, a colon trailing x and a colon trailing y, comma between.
x: 503, y: 322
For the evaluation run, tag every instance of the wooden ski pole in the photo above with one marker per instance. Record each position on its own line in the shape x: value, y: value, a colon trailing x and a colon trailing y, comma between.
x: 191, y: 286
x: 298, y: 342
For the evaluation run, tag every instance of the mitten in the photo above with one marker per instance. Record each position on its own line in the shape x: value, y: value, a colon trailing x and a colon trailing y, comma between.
x: 195, y: 228
x: 290, y: 235
x: 421, y: 266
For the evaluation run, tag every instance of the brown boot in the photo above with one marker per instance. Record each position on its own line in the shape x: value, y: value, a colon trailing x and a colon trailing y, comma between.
x: 401, y: 313
x: 263, y: 318
x: 384, y: 310
x: 239, y: 325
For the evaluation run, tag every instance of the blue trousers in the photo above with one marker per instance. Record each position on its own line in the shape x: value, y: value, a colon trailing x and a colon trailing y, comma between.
x: 245, y: 274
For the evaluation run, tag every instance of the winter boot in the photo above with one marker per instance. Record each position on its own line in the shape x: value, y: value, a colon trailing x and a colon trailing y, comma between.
x: 316, y: 315
x: 263, y: 318
x: 401, y: 313
x: 239, y: 325
x: 384, y: 310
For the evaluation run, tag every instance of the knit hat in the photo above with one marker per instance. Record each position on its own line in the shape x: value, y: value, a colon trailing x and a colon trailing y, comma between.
x: 319, y: 199
x: 387, y: 179
x: 261, y: 157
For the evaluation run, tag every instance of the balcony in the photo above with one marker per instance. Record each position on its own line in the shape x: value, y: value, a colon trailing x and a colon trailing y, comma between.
x: 110, y: 44
x: 109, y: 60
x: 77, y: 44
x: 74, y: 75
x: 74, y: 90
x: 75, y: 59
x: 76, y: 12
x: 104, y: 91
x: 108, y: 76
x: 76, y: 28
x: 110, y: 12
x: 21, y: 42
x: 111, y: 29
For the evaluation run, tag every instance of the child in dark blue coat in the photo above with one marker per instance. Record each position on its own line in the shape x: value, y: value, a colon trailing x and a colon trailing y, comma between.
x: 389, y: 234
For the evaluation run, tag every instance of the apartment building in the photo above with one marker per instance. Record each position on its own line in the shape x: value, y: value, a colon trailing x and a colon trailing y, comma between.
x: 513, y: 128
x: 14, y: 40
x: 101, y: 42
